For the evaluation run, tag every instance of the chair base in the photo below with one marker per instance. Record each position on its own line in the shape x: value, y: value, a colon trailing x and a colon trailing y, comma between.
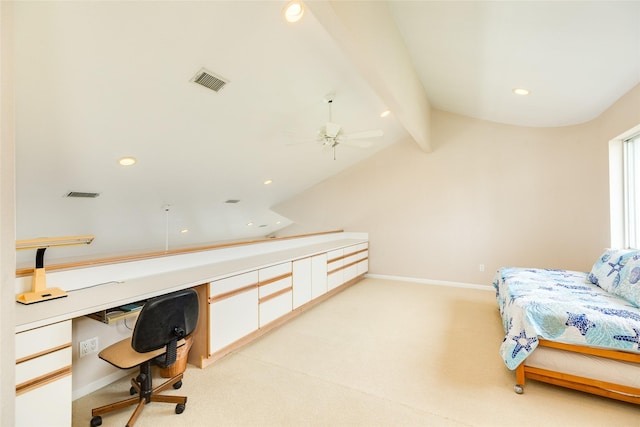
x: 141, y: 400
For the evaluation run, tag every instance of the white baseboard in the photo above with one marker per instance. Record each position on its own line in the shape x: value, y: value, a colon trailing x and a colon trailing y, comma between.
x: 432, y: 282
x: 97, y: 385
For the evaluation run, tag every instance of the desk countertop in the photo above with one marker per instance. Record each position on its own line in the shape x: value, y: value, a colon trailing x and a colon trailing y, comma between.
x: 88, y: 300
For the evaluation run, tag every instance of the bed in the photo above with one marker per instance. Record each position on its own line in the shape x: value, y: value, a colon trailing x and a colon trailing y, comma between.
x: 574, y: 329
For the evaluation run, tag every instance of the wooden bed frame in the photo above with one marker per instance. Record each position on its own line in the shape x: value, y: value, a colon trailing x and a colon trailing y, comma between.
x: 588, y: 385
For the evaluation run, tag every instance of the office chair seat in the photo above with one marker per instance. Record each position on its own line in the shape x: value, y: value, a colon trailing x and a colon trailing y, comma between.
x: 123, y: 356
x: 164, y: 323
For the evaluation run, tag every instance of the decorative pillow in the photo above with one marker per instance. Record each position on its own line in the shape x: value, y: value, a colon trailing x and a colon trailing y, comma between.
x: 629, y: 286
x: 608, y: 271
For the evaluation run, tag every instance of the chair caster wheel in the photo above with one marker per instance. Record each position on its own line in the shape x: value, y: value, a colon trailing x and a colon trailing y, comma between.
x: 177, y: 385
x: 179, y: 408
x: 96, y: 421
x: 132, y: 391
x: 518, y: 389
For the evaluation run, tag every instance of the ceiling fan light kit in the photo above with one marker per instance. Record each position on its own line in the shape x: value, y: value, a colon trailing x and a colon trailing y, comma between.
x: 331, y: 130
x: 331, y: 134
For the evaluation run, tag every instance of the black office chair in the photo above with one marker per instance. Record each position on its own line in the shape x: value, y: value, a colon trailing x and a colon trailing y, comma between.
x: 162, y: 326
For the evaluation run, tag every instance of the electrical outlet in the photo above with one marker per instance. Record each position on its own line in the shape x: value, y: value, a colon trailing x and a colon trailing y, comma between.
x: 481, y: 267
x: 88, y: 346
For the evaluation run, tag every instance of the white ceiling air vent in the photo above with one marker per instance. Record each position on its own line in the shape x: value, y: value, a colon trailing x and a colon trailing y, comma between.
x: 209, y: 80
x: 82, y: 194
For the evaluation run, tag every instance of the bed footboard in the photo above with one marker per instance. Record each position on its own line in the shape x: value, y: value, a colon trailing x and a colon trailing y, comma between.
x: 575, y: 382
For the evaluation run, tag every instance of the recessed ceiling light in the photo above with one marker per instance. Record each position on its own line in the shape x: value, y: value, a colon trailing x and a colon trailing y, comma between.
x: 267, y: 181
x: 521, y: 91
x: 184, y: 230
x: 385, y: 113
x: 293, y: 11
x: 249, y: 224
x: 127, y: 161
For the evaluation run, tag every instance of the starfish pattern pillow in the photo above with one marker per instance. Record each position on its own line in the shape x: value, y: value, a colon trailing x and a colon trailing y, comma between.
x: 609, y: 270
x: 629, y: 286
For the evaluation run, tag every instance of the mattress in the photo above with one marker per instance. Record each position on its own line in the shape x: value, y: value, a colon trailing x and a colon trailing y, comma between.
x: 583, y: 365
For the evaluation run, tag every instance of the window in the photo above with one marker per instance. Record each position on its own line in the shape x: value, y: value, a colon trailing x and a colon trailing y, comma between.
x: 631, y: 190
x: 624, y: 181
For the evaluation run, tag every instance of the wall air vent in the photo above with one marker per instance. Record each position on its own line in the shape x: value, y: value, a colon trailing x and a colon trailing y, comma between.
x: 209, y: 80
x: 82, y: 194
x: 232, y: 201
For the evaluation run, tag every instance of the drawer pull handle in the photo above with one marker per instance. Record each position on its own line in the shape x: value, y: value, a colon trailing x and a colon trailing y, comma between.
x: 42, y: 353
x: 233, y: 293
x: 275, y: 295
x: 42, y: 380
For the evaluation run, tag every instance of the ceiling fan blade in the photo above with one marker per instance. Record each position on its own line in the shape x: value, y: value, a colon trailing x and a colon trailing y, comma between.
x: 296, y: 138
x: 357, y: 143
x: 364, y: 134
x: 301, y: 142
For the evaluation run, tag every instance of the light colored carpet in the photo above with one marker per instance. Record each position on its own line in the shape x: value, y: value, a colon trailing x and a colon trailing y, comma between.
x: 381, y: 353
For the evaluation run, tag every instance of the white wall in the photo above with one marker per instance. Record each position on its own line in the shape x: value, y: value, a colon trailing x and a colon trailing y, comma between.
x: 488, y: 194
x: 7, y: 217
x: 89, y: 372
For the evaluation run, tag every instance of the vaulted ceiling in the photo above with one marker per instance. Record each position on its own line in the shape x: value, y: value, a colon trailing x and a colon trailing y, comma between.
x: 98, y: 81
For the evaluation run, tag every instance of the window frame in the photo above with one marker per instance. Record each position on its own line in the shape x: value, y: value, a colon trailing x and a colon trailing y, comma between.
x: 624, y: 189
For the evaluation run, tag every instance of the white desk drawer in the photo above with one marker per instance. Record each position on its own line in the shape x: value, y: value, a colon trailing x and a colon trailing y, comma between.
x: 275, y: 286
x: 363, y: 266
x: 335, y: 255
x: 230, y: 284
x: 41, y: 340
x: 275, y: 271
x: 352, y: 258
x: 275, y: 308
x: 43, y: 365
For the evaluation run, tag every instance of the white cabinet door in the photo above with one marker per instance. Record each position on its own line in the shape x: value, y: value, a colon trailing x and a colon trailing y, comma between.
x: 233, y: 309
x: 301, y: 282
x: 49, y: 405
x: 318, y: 275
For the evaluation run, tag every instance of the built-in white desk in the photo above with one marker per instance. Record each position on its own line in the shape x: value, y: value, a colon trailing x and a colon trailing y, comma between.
x: 285, y: 281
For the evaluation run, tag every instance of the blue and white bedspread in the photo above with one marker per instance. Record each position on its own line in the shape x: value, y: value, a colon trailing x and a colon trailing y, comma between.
x: 562, y: 306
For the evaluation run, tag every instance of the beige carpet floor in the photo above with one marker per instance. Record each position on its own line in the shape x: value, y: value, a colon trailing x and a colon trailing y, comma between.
x: 381, y: 353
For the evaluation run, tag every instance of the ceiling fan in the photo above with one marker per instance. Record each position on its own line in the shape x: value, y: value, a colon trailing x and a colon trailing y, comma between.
x: 331, y: 134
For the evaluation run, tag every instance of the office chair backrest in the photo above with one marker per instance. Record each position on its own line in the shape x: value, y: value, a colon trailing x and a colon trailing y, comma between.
x: 164, y: 320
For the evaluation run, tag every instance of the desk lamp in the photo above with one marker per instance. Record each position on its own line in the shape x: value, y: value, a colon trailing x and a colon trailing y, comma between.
x: 39, y: 291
